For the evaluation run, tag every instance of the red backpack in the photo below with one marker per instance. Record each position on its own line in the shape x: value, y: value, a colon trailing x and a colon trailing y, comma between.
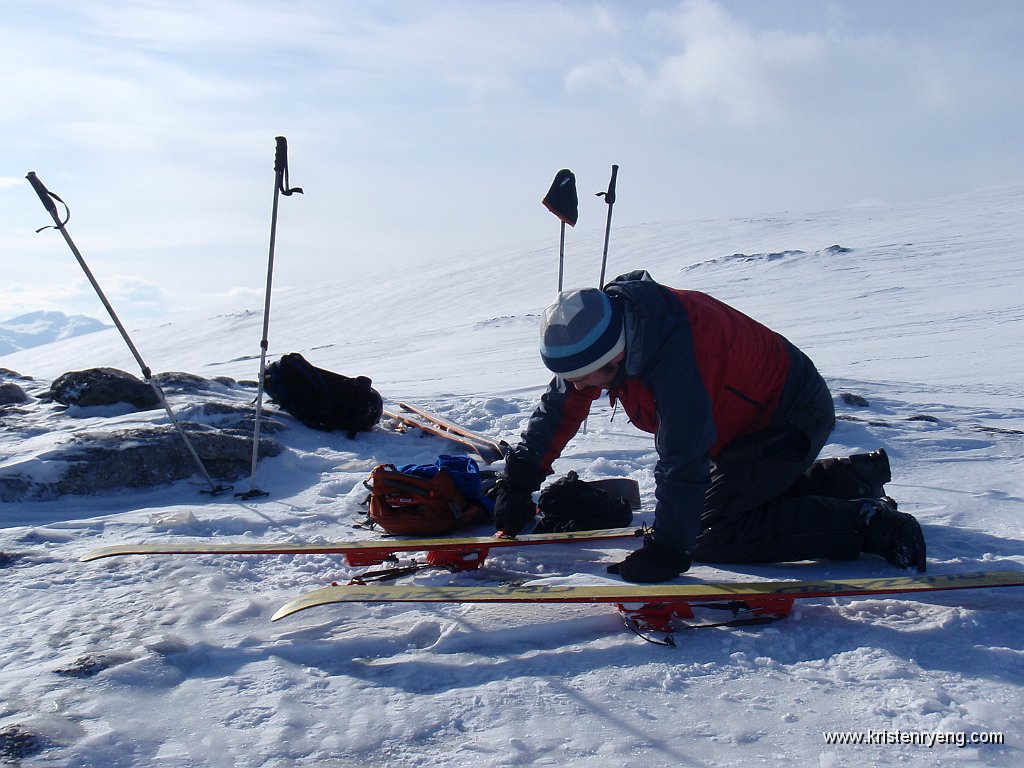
x: 407, y: 504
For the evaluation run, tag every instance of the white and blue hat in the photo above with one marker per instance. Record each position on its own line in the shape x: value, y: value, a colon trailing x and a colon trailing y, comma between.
x: 580, y: 332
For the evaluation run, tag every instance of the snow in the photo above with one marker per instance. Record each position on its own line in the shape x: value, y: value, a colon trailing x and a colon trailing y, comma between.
x: 173, y: 662
x: 37, y: 328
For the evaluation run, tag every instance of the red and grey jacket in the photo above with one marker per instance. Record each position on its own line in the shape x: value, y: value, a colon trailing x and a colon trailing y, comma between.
x: 698, y: 374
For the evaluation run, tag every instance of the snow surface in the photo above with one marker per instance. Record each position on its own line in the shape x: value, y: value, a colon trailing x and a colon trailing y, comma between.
x: 172, y: 661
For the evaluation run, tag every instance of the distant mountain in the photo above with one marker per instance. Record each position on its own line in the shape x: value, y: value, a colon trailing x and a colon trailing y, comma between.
x: 38, y: 328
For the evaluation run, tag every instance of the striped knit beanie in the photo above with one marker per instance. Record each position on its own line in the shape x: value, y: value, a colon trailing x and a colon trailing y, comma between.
x: 580, y: 332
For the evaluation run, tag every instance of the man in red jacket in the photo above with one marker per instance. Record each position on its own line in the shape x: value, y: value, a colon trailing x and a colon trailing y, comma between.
x: 739, y: 415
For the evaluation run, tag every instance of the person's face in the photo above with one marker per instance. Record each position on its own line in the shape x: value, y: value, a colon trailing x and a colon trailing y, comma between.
x: 602, y: 378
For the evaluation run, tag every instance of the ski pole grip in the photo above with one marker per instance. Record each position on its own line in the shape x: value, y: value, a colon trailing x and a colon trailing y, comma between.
x: 281, y: 155
x: 609, y: 196
x: 44, y: 194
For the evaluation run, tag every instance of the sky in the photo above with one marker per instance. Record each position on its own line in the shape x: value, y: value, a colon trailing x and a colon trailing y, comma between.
x: 430, y: 131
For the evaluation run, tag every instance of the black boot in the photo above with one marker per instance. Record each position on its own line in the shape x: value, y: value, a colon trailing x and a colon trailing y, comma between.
x: 861, y: 476
x: 896, y: 536
x: 873, y: 470
x: 652, y: 563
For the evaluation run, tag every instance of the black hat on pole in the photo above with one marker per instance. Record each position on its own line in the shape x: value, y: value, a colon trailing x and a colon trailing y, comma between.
x: 561, y: 199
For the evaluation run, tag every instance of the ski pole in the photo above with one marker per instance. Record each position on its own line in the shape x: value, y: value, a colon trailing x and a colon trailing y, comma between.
x: 47, y: 198
x: 561, y: 255
x: 609, y: 197
x: 281, y: 187
x: 562, y: 201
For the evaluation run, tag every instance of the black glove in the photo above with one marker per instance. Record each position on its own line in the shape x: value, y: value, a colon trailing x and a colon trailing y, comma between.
x: 513, y: 503
x: 513, y: 509
x: 522, y: 472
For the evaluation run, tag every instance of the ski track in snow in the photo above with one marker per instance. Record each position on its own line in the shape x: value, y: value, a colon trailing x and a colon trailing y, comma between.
x: 172, y: 661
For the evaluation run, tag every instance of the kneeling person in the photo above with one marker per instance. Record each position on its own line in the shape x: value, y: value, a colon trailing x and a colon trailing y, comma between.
x: 739, y: 416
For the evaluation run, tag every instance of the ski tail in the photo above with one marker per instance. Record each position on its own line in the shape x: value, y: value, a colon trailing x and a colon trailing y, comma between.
x: 488, y: 450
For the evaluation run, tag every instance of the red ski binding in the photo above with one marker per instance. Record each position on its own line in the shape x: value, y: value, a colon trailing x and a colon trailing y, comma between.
x: 669, y: 616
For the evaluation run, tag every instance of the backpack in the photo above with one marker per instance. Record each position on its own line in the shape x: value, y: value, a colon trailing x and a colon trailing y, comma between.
x: 571, y: 504
x: 424, y: 501
x: 322, y: 399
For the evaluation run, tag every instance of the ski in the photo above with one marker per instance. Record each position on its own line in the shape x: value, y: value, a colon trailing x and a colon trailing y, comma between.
x: 656, y: 607
x: 484, y: 451
x: 465, y: 551
x: 492, y: 451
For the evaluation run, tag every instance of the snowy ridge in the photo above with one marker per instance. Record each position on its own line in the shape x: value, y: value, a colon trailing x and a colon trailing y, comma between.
x: 174, y: 662
x: 37, y: 328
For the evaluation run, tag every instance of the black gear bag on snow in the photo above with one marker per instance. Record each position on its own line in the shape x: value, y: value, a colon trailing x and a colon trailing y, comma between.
x: 322, y: 399
x: 571, y: 504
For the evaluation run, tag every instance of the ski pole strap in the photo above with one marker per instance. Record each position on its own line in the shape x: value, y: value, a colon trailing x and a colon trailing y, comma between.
x: 47, y: 197
x: 281, y: 168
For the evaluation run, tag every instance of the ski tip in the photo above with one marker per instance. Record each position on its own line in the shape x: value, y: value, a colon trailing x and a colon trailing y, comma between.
x: 312, y: 599
x: 97, y: 554
x: 281, y: 612
x: 292, y: 606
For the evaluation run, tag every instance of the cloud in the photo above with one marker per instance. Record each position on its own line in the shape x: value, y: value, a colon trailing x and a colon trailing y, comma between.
x: 725, y: 69
x: 599, y: 73
x: 426, y: 130
x: 703, y: 61
x: 129, y: 296
x: 700, y: 57
x: 21, y: 298
x: 135, y: 290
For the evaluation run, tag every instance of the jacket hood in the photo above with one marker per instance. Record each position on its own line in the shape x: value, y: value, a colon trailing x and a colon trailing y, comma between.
x: 651, y: 313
